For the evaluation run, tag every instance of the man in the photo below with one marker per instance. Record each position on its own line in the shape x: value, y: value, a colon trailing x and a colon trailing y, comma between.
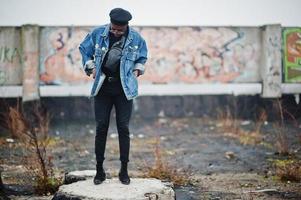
x: 115, y: 55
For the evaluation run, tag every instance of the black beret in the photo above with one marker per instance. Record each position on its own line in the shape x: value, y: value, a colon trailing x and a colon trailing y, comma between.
x: 120, y: 16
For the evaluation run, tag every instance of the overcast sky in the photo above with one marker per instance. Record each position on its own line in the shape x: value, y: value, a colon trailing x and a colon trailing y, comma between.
x: 152, y: 12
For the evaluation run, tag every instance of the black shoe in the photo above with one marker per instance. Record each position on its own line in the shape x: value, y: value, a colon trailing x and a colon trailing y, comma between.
x: 124, y: 177
x: 100, y: 177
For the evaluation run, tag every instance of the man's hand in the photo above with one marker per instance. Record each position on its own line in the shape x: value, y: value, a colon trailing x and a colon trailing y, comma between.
x: 137, y: 72
x: 90, y: 68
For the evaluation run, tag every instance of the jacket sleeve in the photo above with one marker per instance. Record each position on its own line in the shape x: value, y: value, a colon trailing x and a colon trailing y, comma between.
x: 141, y: 60
x: 86, y: 49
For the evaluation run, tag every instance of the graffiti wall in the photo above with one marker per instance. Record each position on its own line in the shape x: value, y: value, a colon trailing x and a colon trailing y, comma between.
x: 176, y: 55
x: 292, y: 54
x: 60, y: 59
x: 199, y: 55
x: 11, y: 56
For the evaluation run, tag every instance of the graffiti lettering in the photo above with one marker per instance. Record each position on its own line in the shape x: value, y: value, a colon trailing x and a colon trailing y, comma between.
x: 201, y: 55
x: 60, y: 61
x: 60, y: 40
x: 187, y: 55
x: 10, y: 54
x: 3, y: 77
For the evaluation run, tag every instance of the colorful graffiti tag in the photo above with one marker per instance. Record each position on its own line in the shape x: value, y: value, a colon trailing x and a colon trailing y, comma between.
x: 176, y: 55
x: 292, y: 54
x: 60, y: 60
x: 199, y: 55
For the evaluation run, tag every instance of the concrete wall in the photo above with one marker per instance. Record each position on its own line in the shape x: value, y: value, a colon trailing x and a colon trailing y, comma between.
x: 177, y: 56
x: 11, y: 56
x: 60, y: 59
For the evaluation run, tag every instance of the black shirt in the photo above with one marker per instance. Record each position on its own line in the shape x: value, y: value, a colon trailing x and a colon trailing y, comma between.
x: 112, y: 40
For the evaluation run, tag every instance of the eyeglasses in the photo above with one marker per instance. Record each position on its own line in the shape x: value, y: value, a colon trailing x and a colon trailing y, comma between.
x: 119, y: 30
x: 114, y: 31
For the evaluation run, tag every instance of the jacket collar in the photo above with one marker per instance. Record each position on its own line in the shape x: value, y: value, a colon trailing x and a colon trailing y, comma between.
x: 105, y: 32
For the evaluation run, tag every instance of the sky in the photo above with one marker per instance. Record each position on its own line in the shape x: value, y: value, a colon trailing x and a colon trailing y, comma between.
x: 152, y: 12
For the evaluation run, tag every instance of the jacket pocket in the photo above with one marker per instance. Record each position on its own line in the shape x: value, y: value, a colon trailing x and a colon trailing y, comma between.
x: 131, y: 56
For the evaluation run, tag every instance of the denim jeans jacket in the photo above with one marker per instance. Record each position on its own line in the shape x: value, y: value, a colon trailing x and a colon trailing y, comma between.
x: 134, y: 55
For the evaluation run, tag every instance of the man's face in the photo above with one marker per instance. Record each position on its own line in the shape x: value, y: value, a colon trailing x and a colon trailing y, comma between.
x: 118, y: 30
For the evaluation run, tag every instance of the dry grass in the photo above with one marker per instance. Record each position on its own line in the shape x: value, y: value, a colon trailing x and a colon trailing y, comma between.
x: 228, y: 121
x: 288, y: 170
x: 15, y: 123
x: 32, y: 133
x: 229, y: 126
x: 281, y: 143
x: 164, y: 171
x: 260, y: 121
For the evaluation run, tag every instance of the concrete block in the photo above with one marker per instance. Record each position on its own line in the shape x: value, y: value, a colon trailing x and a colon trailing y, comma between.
x: 112, y: 189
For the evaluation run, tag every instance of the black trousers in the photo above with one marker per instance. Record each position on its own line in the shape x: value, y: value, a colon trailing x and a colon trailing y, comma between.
x: 111, y: 93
